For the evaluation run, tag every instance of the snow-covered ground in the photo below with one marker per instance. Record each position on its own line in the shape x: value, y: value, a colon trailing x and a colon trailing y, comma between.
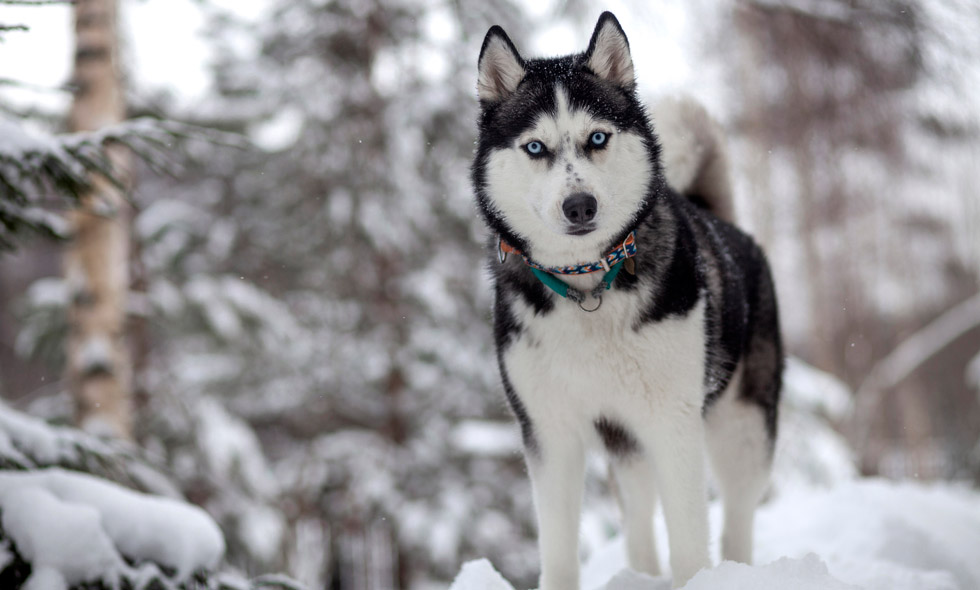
x: 866, y: 534
x: 822, y: 527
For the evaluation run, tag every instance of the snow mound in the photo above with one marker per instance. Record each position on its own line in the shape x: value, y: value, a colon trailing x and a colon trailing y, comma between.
x: 627, y: 579
x: 807, y: 573
x: 479, y: 575
x: 861, y: 535
x: 73, y: 528
x: 879, y: 534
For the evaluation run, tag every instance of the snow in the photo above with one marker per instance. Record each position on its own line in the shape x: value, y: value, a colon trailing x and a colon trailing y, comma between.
x: 232, y: 456
x: 163, y: 214
x: 867, y: 534
x: 30, y: 441
x: 232, y: 448
x: 73, y: 527
x: 45, y: 578
x: 262, y: 529
x: 95, y: 355
x: 880, y: 534
x: 18, y: 141
x: 809, y: 453
x: 813, y: 457
x: 816, y: 391
x: 486, y: 438
x: 807, y: 573
x: 279, y: 132
x: 231, y: 307
x: 479, y: 575
x: 56, y: 537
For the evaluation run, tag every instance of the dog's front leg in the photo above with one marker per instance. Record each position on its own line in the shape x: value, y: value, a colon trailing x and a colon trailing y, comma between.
x: 557, y: 469
x: 677, y: 441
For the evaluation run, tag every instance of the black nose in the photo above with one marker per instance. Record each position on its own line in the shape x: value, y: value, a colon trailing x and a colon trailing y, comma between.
x: 580, y: 208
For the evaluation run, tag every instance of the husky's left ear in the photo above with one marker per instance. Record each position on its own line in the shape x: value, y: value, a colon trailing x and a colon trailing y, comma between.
x: 608, y: 54
x: 501, y: 67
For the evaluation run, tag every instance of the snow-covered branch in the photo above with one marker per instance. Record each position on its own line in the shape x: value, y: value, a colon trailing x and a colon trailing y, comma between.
x: 33, y: 164
x: 28, y: 443
x: 67, y: 520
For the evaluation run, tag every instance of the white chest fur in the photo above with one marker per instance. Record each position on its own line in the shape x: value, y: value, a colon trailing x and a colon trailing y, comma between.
x: 569, y: 367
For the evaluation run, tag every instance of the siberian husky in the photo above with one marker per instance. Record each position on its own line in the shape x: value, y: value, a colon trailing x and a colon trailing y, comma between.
x: 630, y: 314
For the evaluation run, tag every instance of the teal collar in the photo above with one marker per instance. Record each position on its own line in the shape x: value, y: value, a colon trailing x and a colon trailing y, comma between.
x: 621, y: 252
x: 567, y: 291
x: 612, y: 263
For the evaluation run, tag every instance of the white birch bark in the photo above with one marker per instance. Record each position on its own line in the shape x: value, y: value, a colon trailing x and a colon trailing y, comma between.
x: 97, y: 260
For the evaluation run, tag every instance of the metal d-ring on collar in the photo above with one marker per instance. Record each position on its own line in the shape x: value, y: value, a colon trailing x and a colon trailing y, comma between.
x: 567, y: 291
x: 596, y: 308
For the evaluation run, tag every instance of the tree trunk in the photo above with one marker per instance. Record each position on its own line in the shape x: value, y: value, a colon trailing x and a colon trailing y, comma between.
x: 96, y: 261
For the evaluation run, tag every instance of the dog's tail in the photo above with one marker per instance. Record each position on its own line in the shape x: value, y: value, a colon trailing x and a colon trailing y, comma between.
x: 694, y: 155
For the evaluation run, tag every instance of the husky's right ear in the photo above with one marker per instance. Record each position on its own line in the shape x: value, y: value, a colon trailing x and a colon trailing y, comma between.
x: 501, y: 67
x: 608, y: 54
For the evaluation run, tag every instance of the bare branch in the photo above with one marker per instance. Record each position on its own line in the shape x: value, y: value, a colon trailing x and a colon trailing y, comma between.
x: 908, y: 356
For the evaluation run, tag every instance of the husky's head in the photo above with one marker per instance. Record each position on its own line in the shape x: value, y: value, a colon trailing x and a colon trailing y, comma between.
x: 567, y: 163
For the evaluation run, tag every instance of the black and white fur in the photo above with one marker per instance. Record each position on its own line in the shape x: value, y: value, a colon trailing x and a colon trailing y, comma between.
x: 682, y: 356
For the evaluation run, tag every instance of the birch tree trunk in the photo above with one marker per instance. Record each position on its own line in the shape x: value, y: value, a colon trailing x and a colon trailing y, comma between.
x: 96, y: 261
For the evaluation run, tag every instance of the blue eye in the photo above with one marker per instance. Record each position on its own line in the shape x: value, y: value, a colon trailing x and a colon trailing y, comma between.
x: 535, y: 148
x: 598, y: 138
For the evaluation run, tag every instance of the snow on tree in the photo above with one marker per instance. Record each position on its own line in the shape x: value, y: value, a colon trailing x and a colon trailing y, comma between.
x: 35, y: 166
x: 69, y: 520
x: 74, y: 528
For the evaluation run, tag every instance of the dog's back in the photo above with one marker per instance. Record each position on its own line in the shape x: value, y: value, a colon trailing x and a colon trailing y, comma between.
x: 743, y: 319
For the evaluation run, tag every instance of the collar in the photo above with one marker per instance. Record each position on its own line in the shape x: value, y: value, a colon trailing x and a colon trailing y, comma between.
x: 618, y: 254
x: 612, y: 263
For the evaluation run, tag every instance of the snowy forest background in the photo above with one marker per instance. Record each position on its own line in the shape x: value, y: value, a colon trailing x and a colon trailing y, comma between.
x: 308, y: 306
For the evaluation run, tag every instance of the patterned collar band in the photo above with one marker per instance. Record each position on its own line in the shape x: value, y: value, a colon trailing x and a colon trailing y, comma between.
x: 621, y: 252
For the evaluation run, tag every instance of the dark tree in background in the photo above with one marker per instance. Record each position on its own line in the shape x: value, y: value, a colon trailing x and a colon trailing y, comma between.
x: 865, y: 169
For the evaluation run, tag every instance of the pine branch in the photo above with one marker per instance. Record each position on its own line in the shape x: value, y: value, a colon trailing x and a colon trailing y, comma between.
x: 63, y: 89
x: 28, y: 444
x: 35, y: 165
x: 4, y: 29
